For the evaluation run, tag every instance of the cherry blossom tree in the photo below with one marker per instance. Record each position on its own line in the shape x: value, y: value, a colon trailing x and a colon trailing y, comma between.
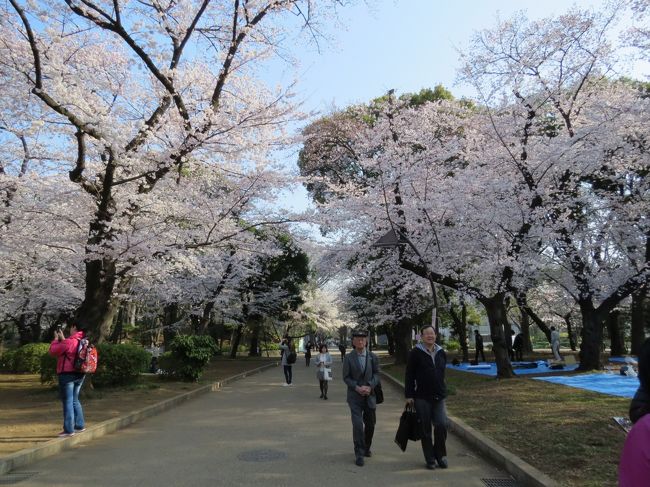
x: 136, y: 102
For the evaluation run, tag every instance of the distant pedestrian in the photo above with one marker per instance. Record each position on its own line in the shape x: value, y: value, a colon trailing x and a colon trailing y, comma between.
x: 361, y: 374
x: 478, y: 343
x: 70, y: 381
x: 555, y: 343
x: 518, y: 346
x: 288, y: 358
x: 425, y: 388
x: 324, y: 374
x: 308, y: 354
x: 342, y: 350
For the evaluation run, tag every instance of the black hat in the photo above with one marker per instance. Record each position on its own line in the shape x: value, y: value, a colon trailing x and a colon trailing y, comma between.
x: 359, y: 332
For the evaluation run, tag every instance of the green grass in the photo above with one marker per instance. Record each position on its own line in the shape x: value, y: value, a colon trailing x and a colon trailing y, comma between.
x: 565, y: 432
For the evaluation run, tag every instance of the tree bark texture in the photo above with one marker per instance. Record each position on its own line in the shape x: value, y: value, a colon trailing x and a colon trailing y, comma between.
x: 496, y: 311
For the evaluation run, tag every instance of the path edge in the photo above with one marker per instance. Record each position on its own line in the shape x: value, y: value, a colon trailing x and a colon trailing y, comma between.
x: 54, y: 446
x: 521, y: 471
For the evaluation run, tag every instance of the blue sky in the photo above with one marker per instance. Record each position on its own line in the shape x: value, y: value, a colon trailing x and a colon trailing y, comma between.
x: 406, y: 45
x: 403, y: 44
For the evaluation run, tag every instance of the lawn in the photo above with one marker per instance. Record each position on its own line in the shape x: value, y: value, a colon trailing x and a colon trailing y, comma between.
x: 31, y: 413
x: 566, y: 433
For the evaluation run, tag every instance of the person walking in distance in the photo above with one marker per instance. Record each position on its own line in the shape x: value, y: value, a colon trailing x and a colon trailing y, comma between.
x: 286, y: 347
x: 361, y: 375
x: 70, y: 380
x: 425, y: 388
x: 342, y: 350
x: 324, y: 374
x: 478, y: 341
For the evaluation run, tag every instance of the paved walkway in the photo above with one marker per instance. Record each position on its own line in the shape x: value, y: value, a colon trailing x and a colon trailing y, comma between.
x: 255, y: 432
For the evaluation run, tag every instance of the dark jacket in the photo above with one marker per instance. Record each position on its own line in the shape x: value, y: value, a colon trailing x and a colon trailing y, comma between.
x: 424, y: 379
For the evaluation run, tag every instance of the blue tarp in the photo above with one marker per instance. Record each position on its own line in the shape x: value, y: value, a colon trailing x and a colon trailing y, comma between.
x: 612, y: 384
x: 541, y: 368
x: 623, y: 360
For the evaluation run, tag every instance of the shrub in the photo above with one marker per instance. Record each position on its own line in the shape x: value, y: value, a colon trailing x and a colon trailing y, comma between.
x: 189, y: 354
x: 169, y: 366
x: 48, y: 369
x: 120, y: 364
x: 7, y: 360
x: 452, y: 345
x: 28, y: 357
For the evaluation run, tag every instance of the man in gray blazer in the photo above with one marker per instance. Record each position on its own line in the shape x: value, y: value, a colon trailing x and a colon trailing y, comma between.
x: 361, y: 374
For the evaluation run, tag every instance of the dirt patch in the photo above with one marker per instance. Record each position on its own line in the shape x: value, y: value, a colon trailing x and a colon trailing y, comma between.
x: 31, y: 413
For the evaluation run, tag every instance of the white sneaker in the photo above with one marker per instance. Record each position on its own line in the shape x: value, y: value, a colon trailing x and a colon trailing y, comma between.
x: 285, y: 384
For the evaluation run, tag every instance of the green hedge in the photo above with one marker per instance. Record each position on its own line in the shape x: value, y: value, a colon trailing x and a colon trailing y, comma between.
x: 26, y: 359
x: 188, y: 356
x: 7, y: 360
x: 452, y: 345
x: 48, y: 369
x: 120, y: 364
x: 117, y: 365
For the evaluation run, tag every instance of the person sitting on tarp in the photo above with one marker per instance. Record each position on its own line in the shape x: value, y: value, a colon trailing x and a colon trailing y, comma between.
x: 634, y: 467
x: 640, y: 404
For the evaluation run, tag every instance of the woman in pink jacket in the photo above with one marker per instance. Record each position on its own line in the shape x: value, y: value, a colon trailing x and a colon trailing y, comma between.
x: 634, y: 467
x: 70, y: 381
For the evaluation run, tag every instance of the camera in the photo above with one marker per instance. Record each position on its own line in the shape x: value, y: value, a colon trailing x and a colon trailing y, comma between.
x: 59, y: 327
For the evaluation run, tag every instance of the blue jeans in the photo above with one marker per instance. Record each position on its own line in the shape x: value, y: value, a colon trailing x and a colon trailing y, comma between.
x: 433, y: 413
x: 69, y: 387
x: 288, y: 373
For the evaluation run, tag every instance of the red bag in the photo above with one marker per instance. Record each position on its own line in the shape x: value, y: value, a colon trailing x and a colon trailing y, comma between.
x: 86, y: 359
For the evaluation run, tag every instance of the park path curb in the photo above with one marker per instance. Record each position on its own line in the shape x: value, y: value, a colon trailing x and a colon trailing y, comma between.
x: 52, y: 447
x: 521, y: 471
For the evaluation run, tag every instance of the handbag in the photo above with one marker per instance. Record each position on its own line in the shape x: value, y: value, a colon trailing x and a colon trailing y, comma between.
x: 409, y: 427
x: 327, y: 374
x: 379, y: 393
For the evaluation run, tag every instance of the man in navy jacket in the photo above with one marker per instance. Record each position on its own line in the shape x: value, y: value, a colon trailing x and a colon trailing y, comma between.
x: 426, y: 389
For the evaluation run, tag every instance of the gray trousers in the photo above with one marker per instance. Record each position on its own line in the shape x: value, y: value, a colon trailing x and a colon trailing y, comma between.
x: 363, y: 426
x: 433, y: 413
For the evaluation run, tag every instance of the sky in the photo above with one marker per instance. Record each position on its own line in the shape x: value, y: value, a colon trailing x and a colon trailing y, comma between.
x: 404, y: 45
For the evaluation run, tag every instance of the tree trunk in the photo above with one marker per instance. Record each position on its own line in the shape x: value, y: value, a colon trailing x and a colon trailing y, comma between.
x: 36, y: 327
x: 640, y: 319
x: 616, y: 339
x: 390, y: 338
x: 402, y: 330
x: 525, y: 330
x: 496, y: 311
x: 254, y: 347
x: 97, y: 310
x: 592, y: 338
x: 24, y: 330
x: 116, y: 335
x: 462, y: 333
x: 235, y: 341
x: 170, y: 316
x: 571, y: 331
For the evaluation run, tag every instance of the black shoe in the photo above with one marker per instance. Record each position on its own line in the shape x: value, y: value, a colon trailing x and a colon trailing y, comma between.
x: 321, y: 396
x: 442, y: 462
x: 368, y: 454
x: 325, y: 397
x: 359, y: 461
x: 431, y: 466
